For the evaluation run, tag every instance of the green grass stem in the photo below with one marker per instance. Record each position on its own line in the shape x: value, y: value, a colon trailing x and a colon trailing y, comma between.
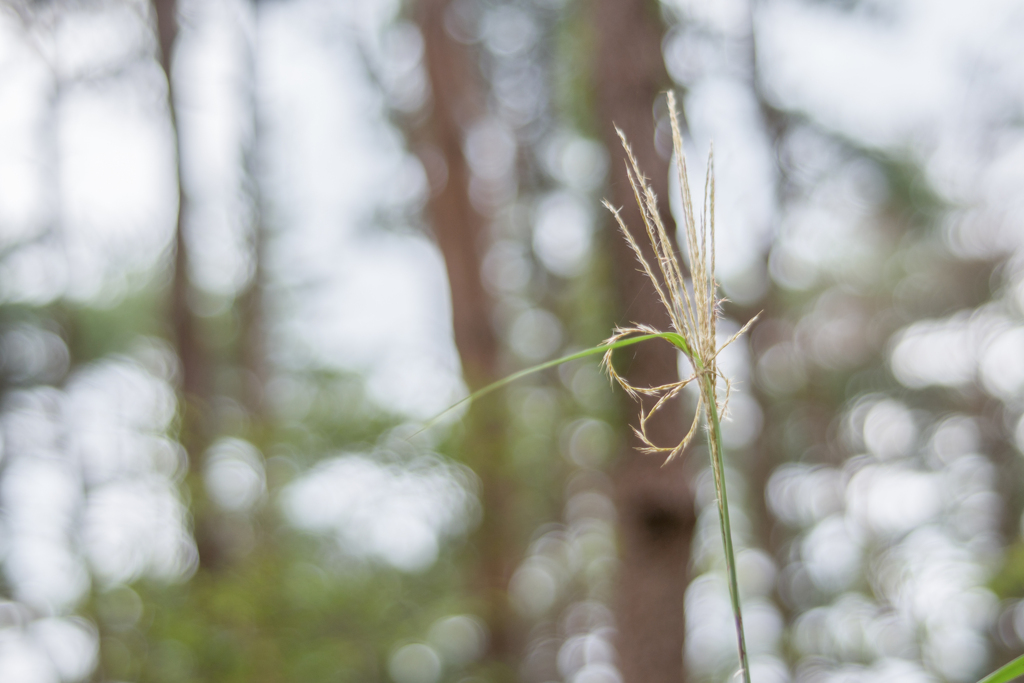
x: 718, y: 467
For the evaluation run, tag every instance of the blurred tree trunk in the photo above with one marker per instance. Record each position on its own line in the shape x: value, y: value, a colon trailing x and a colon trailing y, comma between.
x: 192, y: 354
x: 251, y: 302
x: 460, y: 231
x: 655, y: 503
x: 252, y: 343
x: 193, y: 358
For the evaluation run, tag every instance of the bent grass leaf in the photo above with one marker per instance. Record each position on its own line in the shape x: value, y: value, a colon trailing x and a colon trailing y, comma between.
x: 600, y: 349
x: 1007, y: 672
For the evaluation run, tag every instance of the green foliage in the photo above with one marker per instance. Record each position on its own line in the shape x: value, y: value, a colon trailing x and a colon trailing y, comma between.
x: 573, y: 69
x: 283, y: 615
x: 1009, y: 580
x: 93, y: 332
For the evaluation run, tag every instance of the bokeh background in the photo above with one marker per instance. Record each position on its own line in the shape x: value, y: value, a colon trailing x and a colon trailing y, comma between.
x: 248, y: 248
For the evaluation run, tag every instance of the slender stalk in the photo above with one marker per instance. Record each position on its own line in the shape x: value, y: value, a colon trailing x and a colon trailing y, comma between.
x: 718, y: 466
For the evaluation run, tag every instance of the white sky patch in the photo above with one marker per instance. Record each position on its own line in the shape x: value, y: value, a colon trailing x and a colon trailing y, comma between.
x: 729, y: 17
x: 931, y: 78
x: 86, y: 154
x: 384, y: 310
x: 40, y: 497
x: 562, y: 232
x: 935, y: 352
x: 393, y: 513
x: 853, y: 70
x: 1002, y: 364
x: 137, y: 527
x: 961, y: 349
x: 358, y: 299
x: 72, y: 644
x: 91, y: 477
x: 22, y: 94
x: 111, y: 143
x: 710, y: 641
x: 23, y: 659
x: 234, y: 475
x: 894, y: 500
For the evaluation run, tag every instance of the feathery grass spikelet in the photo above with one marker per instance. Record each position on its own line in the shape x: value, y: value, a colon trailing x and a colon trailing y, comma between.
x: 693, y: 310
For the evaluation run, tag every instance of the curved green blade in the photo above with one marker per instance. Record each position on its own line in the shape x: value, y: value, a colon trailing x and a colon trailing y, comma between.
x: 1007, y: 672
x: 672, y: 337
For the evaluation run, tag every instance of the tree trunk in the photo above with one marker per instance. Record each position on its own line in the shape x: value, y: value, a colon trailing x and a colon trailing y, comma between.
x: 194, y: 370
x: 196, y: 427
x: 655, y: 503
x: 460, y: 232
x: 252, y: 352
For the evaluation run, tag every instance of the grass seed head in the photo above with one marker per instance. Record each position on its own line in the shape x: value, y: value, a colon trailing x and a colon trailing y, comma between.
x: 692, y: 303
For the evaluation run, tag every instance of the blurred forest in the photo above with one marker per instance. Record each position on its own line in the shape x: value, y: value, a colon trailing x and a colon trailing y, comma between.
x: 249, y: 247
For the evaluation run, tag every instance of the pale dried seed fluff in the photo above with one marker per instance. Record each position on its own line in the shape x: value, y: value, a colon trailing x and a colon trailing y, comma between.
x: 692, y: 310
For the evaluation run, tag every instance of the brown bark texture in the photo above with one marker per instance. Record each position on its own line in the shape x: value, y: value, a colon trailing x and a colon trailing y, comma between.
x: 192, y: 354
x: 654, y: 501
x: 183, y: 321
x: 460, y: 232
x: 251, y: 303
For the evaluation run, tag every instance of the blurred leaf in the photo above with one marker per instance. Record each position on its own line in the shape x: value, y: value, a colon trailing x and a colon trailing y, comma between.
x: 1009, y: 581
x: 1007, y: 672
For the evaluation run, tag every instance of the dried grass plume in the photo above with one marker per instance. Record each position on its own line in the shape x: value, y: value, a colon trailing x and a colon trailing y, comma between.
x: 692, y: 304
